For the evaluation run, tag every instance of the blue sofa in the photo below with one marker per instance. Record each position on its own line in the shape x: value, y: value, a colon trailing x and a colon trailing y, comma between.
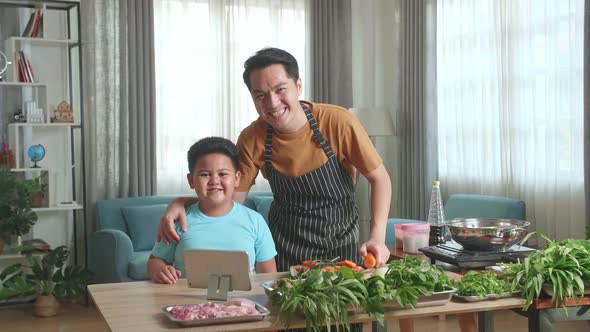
x: 126, y: 231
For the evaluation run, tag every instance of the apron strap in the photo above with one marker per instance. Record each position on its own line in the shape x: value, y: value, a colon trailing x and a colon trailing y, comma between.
x: 317, y: 137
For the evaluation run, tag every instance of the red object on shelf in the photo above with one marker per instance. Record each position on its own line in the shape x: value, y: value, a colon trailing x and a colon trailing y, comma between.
x: 36, y: 23
x: 21, y: 71
x: 7, y: 156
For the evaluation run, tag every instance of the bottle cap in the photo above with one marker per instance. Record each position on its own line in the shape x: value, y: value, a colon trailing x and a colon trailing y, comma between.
x: 436, y: 183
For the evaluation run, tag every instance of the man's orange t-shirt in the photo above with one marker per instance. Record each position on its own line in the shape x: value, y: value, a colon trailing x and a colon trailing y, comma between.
x: 297, y: 153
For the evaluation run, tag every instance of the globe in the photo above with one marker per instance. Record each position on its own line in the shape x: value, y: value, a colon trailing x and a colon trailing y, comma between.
x: 36, y: 153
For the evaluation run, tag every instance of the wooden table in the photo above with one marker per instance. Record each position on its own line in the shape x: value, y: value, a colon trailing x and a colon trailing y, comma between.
x: 137, y: 306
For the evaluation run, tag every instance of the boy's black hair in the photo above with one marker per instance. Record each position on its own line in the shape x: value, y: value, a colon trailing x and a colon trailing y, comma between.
x: 210, y: 145
x: 270, y: 56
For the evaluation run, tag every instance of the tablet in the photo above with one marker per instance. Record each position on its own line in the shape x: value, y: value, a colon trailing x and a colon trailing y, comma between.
x: 217, y: 270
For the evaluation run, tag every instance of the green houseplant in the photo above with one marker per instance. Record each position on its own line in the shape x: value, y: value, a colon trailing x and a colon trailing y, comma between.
x: 37, y: 188
x: 49, y: 277
x: 16, y: 216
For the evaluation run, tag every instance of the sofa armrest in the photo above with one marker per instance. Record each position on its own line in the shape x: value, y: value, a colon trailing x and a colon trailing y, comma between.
x: 109, y: 254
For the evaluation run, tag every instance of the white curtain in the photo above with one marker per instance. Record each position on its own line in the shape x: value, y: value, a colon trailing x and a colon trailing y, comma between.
x: 200, y: 48
x: 510, y: 113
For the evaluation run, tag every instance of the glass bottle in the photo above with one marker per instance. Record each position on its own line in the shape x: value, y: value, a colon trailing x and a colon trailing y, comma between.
x: 436, y: 216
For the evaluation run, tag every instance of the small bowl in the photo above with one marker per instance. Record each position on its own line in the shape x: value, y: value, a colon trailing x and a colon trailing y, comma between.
x: 487, y: 234
x: 268, y: 286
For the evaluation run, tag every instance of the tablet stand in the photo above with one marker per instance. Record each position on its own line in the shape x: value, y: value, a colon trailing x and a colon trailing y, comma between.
x: 218, y: 286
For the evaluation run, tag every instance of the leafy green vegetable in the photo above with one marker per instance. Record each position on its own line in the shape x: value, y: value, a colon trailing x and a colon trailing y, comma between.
x: 323, y: 297
x: 481, y: 284
x: 565, y: 265
x: 405, y: 280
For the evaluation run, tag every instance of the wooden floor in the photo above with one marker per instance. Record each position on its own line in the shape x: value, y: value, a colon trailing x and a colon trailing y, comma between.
x: 73, y: 317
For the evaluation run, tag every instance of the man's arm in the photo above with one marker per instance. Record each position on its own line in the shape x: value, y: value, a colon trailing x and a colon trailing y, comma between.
x: 380, y: 201
x: 176, y: 210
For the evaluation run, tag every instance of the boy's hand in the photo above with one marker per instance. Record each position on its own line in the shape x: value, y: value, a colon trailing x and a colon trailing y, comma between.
x: 167, y: 275
x: 166, y: 231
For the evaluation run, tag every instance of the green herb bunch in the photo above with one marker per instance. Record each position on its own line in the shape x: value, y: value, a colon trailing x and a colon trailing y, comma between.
x: 404, y: 281
x: 481, y: 284
x: 322, y: 297
x: 564, y: 265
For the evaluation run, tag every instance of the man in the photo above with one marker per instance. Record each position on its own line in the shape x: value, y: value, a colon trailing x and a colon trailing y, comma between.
x: 309, y: 153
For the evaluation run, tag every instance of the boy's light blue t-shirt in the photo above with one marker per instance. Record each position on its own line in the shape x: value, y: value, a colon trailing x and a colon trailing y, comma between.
x: 241, y: 229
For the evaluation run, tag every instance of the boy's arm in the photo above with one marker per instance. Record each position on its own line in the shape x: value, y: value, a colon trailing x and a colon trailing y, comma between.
x: 268, y: 266
x: 160, y: 272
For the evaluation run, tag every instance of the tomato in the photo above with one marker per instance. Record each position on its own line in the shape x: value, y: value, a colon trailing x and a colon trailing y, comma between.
x: 310, y: 263
x: 298, y: 268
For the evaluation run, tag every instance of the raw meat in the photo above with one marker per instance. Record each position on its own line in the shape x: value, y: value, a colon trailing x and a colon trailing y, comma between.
x: 208, y: 310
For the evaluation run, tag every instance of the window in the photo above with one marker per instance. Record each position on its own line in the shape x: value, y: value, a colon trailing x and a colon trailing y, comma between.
x: 201, y: 47
x: 510, y: 113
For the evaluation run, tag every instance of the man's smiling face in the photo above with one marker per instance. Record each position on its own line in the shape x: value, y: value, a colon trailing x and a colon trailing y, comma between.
x: 276, y: 98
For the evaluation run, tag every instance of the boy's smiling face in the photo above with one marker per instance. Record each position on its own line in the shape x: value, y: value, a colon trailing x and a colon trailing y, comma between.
x: 214, y: 179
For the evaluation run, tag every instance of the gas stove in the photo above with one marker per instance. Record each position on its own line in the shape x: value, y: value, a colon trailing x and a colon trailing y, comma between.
x: 454, y: 254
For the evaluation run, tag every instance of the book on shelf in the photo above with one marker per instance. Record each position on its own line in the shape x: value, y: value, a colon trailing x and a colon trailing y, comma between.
x: 24, y: 66
x: 21, y: 71
x: 34, y: 27
x: 29, y: 27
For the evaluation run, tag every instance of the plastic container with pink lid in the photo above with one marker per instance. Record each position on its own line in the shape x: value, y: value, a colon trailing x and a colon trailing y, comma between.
x: 415, y: 236
x: 399, y: 236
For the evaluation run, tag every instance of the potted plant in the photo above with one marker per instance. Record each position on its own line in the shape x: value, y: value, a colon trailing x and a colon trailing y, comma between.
x: 16, y: 216
x: 48, y: 277
x: 36, y: 187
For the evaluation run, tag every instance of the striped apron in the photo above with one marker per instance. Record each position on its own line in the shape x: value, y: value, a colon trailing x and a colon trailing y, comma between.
x: 313, y: 216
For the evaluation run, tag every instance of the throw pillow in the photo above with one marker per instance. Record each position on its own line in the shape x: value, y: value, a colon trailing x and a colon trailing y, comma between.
x: 142, y: 222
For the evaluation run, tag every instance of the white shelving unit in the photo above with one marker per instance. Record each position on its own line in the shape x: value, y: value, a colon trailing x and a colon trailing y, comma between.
x: 56, y: 63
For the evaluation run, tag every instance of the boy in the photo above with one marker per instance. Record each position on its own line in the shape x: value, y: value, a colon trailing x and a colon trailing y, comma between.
x: 215, y: 221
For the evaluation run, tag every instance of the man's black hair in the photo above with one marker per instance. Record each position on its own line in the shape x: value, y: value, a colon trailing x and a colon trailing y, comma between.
x: 270, y: 56
x: 211, y: 145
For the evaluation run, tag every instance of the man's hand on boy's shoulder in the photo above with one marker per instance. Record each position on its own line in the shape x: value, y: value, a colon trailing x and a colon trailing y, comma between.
x: 174, y: 211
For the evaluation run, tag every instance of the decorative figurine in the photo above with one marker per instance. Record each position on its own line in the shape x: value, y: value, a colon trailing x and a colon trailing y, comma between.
x: 63, y: 113
x: 19, y: 116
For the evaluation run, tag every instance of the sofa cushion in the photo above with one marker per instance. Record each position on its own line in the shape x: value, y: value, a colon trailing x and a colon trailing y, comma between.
x: 262, y: 205
x: 138, y: 265
x: 142, y: 222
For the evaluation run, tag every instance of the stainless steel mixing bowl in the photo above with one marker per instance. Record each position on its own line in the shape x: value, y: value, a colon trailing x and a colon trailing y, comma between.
x: 487, y: 234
